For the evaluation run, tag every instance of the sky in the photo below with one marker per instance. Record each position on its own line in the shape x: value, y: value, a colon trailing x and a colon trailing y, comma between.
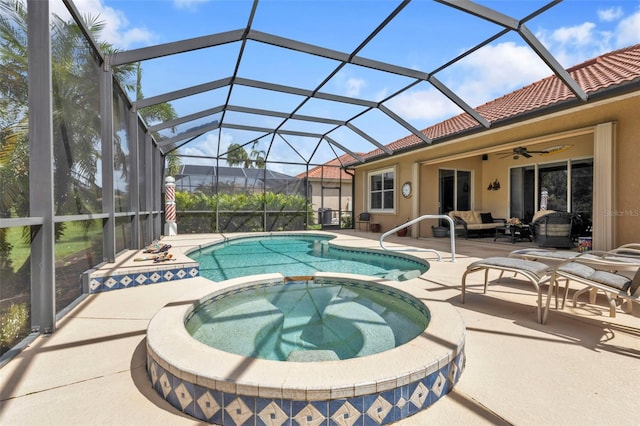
x: 424, y: 36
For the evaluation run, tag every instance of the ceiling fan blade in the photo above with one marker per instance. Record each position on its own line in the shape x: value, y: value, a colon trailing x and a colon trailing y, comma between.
x: 526, y: 154
x: 555, y: 149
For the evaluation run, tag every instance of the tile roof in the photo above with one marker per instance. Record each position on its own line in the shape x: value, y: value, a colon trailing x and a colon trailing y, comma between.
x: 608, y: 71
x: 333, y: 169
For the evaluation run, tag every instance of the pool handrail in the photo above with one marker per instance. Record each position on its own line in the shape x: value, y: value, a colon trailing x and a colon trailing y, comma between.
x: 452, y: 235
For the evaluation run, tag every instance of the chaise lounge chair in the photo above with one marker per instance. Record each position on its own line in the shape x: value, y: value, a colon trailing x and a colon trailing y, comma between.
x: 535, y: 272
x: 615, y: 274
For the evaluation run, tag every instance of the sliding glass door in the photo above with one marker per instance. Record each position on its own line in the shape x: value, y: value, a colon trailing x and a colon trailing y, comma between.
x: 568, y: 184
x: 455, y: 190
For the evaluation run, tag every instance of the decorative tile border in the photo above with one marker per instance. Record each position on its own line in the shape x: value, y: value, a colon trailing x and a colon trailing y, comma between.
x: 97, y: 281
x: 222, y: 408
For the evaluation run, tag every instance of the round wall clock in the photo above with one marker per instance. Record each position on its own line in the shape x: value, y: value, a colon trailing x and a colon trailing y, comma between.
x: 406, y: 189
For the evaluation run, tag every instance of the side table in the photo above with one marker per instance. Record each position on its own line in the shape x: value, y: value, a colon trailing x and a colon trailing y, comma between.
x: 513, y: 232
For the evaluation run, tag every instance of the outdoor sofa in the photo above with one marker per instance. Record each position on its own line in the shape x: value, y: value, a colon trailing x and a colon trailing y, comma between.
x: 469, y: 222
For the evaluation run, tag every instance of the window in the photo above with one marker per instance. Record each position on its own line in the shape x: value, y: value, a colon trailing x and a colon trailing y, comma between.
x: 569, y: 186
x: 382, y: 190
x: 455, y: 190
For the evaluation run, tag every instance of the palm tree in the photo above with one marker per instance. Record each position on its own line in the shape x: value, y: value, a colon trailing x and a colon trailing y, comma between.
x: 159, y: 113
x: 238, y: 156
x: 76, y: 112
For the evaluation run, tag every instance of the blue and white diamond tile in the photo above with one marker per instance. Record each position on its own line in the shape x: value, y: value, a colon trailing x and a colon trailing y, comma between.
x: 181, y: 274
x: 208, y: 406
x: 380, y: 411
x: 124, y: 281
x: 155, y: 277
x: 168, y: 275
x: 111, y: 283
x: 183, y: 394
x: 165, y: 384
x: 344, y: 415
x: 439, y: 384
x: 194, y: 272
x: 271, y: 412
x: 308, y: 413
x: 402, y: 403
x: 239, y: 410
x: 95, y: 284
x: 142, y: 278
x: 419, y: 394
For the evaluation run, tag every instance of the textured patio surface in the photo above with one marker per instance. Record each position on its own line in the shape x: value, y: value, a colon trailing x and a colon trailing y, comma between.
x: 582, y: 367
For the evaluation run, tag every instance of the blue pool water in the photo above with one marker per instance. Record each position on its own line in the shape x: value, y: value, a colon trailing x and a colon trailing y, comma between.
x: 315, y: 320
x: 298, y: 256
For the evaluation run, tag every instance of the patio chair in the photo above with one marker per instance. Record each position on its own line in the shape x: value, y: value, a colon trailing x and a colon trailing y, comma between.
x: 615, y: 274
x: 364, y: 217
x: 552, y: 229
x: 535, y: 272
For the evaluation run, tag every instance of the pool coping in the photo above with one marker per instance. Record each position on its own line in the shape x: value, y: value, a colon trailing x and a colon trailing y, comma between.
x: 127, y: 272
x: 177, y: 359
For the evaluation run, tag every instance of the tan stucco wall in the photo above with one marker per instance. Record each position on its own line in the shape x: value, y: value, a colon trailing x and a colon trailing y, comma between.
x: 333, y: 199
x: 575, y: 128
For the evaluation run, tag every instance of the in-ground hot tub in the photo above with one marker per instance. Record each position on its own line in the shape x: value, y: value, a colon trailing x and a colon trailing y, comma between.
x: 225, y: 388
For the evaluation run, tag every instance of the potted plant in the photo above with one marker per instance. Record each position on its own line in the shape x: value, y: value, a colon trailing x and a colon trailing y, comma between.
x: 402, y: 232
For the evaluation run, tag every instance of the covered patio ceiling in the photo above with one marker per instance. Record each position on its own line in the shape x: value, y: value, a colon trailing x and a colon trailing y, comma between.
x: 296, y: 90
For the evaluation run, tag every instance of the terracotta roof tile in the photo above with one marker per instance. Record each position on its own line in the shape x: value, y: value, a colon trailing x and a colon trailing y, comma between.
x: 604, y: 72
x: 332, y: 169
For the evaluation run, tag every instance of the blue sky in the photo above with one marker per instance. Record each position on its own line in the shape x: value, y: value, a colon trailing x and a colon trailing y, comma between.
x: 424, y: 36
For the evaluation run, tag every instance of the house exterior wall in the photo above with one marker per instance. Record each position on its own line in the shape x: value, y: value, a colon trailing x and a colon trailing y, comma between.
x: 334, y: 199
x: 576, y: 127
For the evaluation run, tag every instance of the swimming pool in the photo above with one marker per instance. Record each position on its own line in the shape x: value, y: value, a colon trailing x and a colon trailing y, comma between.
x: 299, y: 255
x: 308, y: 320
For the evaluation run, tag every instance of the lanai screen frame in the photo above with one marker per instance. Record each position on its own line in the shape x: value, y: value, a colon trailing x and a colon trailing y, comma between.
x: 148, y: 167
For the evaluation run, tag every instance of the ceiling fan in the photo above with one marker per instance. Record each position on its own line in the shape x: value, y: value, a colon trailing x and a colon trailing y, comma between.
x: 526, y: 153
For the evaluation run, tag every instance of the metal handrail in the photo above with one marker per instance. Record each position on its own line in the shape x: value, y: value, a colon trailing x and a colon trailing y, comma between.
x: 452, y: 235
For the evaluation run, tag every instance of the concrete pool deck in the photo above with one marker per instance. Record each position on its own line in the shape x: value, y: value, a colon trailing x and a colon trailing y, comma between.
x: 582, y: 367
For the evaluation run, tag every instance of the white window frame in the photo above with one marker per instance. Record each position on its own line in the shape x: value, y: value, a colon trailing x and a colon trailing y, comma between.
x: 393, y: 190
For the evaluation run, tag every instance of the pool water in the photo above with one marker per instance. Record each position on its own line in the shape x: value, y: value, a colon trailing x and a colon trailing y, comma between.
x: 298, y: 256
x: 308, y: 320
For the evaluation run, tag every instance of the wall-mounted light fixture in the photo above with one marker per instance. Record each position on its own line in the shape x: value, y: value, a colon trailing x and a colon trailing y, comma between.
x: 494, y: 186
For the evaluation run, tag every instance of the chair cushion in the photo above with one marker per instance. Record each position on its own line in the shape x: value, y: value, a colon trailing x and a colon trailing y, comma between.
x: 616, y: 281
x: 486, y: 217
x: 537, y: 268
x: 541, y: 213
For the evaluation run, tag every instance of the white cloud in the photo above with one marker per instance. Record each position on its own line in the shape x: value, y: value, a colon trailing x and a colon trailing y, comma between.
x: 354, y: 86
x: 422, y: 105
x: 628, y: 31
x: 572, y: 45
x: 497, y: 69
x: 208, y: 147
x: 188, y: 4
x: 116, y: 29
x: 610, y: 14
x: 488, y: 73
x: 579, y: 35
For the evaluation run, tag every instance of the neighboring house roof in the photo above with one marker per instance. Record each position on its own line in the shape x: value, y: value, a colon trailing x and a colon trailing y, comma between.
x: 251, y: 173
x: 332, y: 169
x: 599, y: 76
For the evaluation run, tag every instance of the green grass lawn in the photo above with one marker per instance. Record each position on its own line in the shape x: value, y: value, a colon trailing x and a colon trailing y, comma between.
x: 76, y: 238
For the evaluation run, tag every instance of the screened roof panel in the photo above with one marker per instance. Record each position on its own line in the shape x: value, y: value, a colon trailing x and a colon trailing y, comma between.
x: 261, y: 61
x: 322, y: 23
x: 263, y: 65
x: 168, y: 73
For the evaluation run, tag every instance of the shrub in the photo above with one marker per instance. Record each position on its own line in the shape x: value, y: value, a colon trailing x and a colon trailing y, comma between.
x: 14, y: 325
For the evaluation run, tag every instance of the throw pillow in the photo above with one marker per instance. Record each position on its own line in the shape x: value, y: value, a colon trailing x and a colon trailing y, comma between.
x: 486, y: 217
